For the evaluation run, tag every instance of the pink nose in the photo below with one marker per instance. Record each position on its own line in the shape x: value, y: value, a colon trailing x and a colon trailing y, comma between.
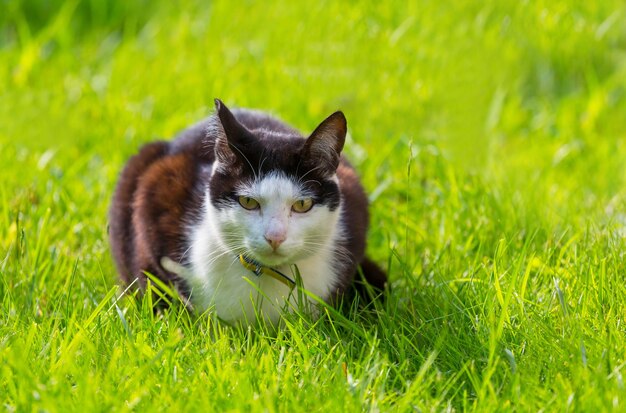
x: 274, y: 240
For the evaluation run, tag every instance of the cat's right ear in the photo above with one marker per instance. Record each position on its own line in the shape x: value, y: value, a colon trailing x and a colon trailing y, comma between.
x: 235, y: 139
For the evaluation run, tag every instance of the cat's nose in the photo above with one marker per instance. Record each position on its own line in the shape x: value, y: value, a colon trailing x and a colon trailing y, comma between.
x: 275, y: 232
x: 274, y: 240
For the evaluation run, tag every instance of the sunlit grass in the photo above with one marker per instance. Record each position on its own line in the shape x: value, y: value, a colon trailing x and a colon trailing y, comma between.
x: 489, y: 135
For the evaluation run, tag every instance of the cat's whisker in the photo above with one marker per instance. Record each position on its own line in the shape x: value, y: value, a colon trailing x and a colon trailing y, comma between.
x: 215, y: 258
x: 308, y: 172
x: 212, y: 255
x: 182, y: 256
x: 298, y: 166
x: 246, y: 159
x: 311, y: 180
x: 320, y: 243
x: 262, y: 161
x: 229, y: 244
x: 315, y: 248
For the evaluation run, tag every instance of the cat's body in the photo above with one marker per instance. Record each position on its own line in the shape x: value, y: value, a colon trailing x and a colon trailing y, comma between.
x: 243, y: 183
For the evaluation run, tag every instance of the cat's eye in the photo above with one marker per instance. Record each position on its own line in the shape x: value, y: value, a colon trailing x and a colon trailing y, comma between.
x: 302, y: 205
x: 248, y: 203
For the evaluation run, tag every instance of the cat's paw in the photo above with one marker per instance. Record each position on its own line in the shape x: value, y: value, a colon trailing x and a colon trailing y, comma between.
x: 175, y: 268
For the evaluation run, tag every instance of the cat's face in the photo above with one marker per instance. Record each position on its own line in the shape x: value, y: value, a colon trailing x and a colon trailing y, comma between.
x: 277, y: 220
x: 275, y: 197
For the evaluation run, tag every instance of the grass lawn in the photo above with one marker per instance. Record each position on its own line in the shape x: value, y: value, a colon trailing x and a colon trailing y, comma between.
x: 491, y: 137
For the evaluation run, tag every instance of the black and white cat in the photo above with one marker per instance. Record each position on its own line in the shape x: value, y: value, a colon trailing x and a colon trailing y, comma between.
x: 236, y: 200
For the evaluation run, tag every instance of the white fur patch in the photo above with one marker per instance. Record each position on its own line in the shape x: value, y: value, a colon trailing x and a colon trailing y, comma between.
x: 220, y: 283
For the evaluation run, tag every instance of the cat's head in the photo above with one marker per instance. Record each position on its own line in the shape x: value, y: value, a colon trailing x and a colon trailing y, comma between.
x: 275, y: 195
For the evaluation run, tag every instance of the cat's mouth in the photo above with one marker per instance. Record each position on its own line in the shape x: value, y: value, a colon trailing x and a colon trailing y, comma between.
x: 273, y: 259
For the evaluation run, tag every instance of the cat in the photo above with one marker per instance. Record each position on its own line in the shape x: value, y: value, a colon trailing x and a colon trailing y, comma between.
x: 238, y: 209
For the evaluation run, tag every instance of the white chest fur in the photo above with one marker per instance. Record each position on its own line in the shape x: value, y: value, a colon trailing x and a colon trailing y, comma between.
x: 235, y: 293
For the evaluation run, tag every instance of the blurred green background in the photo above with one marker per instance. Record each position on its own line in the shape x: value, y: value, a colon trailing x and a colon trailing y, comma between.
x: 490, y: 135
x: 533, y: 90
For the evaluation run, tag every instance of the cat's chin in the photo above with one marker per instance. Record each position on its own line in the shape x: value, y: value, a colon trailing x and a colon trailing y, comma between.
x: 273, y: 259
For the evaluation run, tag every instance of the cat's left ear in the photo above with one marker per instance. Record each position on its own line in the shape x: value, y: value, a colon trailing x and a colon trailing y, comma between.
x: 326, y: 142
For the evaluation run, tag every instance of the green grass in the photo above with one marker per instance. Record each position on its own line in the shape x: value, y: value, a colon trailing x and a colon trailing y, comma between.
x: 491, y: 137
